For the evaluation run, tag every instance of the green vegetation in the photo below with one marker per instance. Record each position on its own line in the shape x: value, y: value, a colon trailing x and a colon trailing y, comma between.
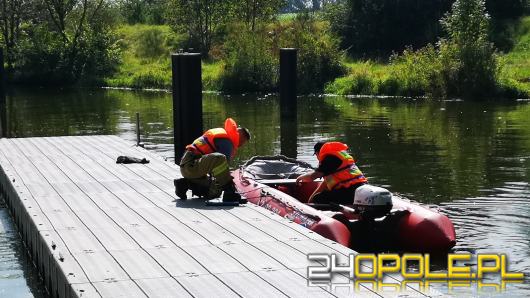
x: 146, y: 56
x: 463, y: 64
x: 440, y: 49
x: 146, y: 60
x: 516, y: 64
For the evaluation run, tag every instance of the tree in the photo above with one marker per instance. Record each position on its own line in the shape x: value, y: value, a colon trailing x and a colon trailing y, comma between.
x: 475, y: 62
x: 200, y: 19
x: 142, y: 11
x: 380, y: 27
x: 251, y: 11
x: 12, y: 14
x: 71, y: 19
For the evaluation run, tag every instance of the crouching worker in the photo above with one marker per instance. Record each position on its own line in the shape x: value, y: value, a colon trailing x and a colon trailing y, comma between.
x: 210, y: 155
x: 341, y: 175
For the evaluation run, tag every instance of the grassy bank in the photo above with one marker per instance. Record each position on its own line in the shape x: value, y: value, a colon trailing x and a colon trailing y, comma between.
x: 146, y: 62
x: 517, y: 62
x: 403, y: 76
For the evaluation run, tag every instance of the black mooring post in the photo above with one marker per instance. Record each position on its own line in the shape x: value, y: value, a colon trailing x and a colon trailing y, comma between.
x: 288, y: 106
x: 3, y: 108
x: 187, y: 100
x: 288, y: 81
x: 288, y: 136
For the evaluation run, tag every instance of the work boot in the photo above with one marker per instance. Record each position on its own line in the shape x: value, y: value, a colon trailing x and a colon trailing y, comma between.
x: 181, y: 187
x: 230, y: 194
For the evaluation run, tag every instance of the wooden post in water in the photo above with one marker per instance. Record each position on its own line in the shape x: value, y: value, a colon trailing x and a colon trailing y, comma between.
x: 187, y: 100
x: 288, y: 106
x: 3, y: 108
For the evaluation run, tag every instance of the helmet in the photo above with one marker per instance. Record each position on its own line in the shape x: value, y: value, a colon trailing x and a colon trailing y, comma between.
x: 372, y: 201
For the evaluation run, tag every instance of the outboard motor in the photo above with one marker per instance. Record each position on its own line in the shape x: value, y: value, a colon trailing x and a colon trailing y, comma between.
x: 372, y: 202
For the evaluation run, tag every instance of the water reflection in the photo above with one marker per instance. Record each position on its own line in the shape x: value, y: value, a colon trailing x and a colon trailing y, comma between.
x: 470, y: 159
x: 18, y: 276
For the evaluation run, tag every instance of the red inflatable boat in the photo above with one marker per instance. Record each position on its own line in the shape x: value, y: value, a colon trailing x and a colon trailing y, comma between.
x: 270, y: 182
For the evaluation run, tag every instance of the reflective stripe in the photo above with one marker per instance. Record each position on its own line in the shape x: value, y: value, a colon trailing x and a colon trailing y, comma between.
x: 220, y: 169
x: 347, y: 174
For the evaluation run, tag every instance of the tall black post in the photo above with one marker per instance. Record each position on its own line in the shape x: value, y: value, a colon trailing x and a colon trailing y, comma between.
x: 3, y: 108
x: 288, y: 106
x: 187, y: 100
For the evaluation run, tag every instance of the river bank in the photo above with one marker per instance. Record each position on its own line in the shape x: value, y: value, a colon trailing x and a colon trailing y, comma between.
x: 146, y: 64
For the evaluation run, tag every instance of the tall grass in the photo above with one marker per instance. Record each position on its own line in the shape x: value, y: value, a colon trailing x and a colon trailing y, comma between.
x: 146, y: 58
x: 463, y: 65
x: 515, y: 71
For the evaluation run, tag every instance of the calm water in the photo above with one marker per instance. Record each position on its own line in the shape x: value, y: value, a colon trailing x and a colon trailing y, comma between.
x: 471, y: 160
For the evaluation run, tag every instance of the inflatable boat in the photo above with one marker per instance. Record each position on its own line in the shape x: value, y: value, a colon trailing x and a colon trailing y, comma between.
x: 270, y: 182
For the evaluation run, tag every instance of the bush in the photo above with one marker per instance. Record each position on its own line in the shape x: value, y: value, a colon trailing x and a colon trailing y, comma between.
x: 152, y: 79
x: 150, y: 43
x: 250, y: 64
x: 476, y: 67
x: 319, y: 57
x: 464, y: 65
x: 42, y: 58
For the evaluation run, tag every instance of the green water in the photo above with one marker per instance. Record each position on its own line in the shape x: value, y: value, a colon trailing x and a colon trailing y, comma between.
x: 469, y: 159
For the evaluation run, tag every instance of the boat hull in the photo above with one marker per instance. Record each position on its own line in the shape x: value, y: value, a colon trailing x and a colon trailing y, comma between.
x: 413, y: 228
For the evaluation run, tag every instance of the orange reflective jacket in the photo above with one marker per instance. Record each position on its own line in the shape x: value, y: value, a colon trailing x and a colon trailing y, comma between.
x: 348, y: 173
x: 205, y: 144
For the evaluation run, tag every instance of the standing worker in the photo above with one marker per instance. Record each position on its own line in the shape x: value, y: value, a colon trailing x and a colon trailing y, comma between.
x: 341, y: 175
x: 209, y: 155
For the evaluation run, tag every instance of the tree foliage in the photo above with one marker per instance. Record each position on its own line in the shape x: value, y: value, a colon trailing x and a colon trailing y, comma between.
x: 372, y: 28
x: 142, y: 11
x: 200, y: 19
x: 476, y: 68
x: 57, y: 41
x: 253, y: 11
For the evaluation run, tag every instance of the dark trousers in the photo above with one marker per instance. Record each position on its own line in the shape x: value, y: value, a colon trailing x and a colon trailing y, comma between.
x: 342, y: 196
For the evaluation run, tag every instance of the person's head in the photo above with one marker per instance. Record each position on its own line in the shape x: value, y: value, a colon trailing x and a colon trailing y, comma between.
x: 244, y: 135
x: 318, y: 146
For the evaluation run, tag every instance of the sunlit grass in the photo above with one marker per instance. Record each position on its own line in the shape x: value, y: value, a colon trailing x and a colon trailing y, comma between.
x: 146, y: 59
x: 516, y: 63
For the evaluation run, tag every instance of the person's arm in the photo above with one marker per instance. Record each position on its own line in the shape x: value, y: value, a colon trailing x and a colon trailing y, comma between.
x: 224, y: 146
x: 329, y: 165
x: 319, y: 189
x: 309, y: 177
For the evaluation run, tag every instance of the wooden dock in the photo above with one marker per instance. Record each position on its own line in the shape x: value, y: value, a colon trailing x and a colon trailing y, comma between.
x: 95, y: 228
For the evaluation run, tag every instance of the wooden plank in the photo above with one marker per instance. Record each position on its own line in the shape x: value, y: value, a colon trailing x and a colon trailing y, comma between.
x: 123, y: 288
x: 100, y: 266
x: 216, y: 260
x: 182, y: 235
x: 138, y: 264
x: 80, y: 240
x: 113, y: 238
x: 248, y: 284
x: 250, y: 257
x: 285, y: 254
x: 205, y: 286
x: 177, y: 262
x: 292, y: 284
x: 148, y: 237
x: 162, y: 288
